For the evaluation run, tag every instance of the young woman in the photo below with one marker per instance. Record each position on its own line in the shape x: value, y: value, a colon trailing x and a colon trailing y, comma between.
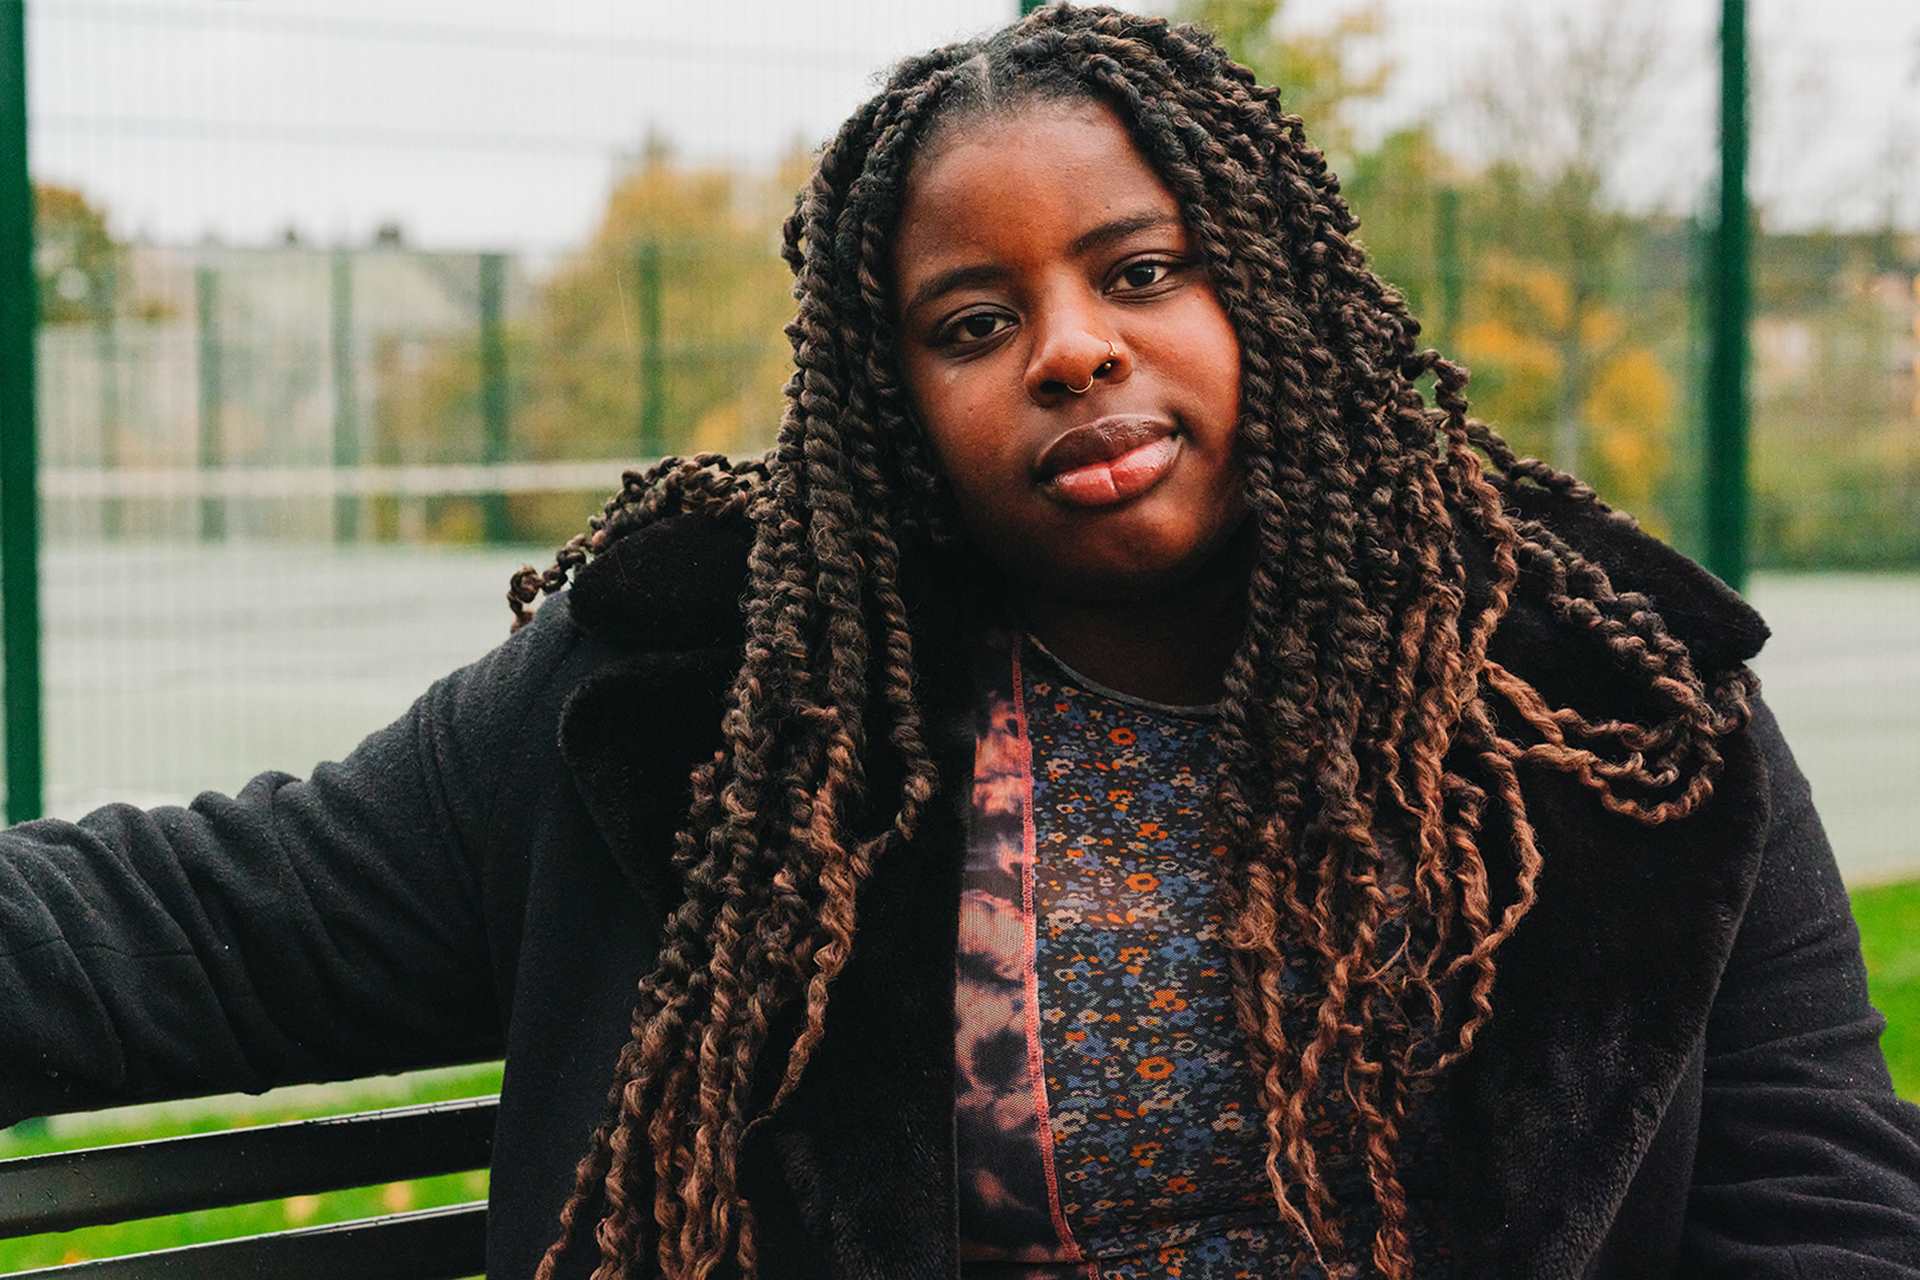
x: 1123, y: 789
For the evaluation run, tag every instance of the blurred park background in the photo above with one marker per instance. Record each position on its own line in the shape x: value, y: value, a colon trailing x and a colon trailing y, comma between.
x: 348, y: 308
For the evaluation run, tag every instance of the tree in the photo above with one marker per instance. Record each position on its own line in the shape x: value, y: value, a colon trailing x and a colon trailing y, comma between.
x: 1561, y: 100
x: 1313, y: 68
x: 1399, y: 190
x: 664, y: 333
x: 1516, y: 336
x: 76, y: 259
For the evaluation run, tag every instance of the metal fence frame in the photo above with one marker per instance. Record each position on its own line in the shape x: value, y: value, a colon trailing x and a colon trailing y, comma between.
x: 19, y: 502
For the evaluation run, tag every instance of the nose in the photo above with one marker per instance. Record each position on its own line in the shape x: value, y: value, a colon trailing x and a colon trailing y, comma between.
x: 1070, y: 358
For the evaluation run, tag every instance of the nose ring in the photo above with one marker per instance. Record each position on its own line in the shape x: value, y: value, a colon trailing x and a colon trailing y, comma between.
x: 1112, y: 355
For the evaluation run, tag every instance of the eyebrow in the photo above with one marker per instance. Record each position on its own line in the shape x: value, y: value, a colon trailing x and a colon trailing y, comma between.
x: 986, y: 273
x: 957, y: 278
x: 1122, y: 227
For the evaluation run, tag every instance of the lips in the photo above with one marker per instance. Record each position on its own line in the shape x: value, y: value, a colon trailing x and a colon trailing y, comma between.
x: 1101, y: 440
x: 1107, y: 460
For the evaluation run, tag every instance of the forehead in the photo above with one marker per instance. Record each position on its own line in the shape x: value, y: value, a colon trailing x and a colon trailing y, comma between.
x: 1021, y: 183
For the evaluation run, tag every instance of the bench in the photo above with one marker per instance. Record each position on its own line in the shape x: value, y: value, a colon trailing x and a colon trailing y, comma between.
x: 111, y: 1184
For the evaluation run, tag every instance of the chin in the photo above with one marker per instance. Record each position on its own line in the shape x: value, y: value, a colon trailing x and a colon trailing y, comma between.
x: 1155, y: 557
x: 1138, y: 571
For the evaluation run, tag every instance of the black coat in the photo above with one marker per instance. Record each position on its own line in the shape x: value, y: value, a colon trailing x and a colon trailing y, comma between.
x: 1682, y: 1076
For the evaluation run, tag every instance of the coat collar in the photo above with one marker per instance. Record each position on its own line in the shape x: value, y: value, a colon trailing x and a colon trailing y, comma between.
x: 1601, y: 997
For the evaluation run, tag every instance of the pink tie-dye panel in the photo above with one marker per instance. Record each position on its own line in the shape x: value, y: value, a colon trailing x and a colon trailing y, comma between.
x: 1009, y: 1203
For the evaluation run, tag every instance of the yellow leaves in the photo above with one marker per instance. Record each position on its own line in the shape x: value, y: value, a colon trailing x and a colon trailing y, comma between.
x: 1629, y: 416
x: 660, y: 193
x: 1516, y: 369
x: 1601, y: 328
x: 1628, y: 392
x: 74, y: 254
x: 1314, y: 67
x: 1529, y: 294
x: 1519, y: 341
x: 663, y: 332
x: 721, y: 429
x: 60, y: 206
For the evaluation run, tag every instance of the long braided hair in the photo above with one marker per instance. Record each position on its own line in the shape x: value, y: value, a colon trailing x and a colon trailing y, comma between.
x: 1360, y: 701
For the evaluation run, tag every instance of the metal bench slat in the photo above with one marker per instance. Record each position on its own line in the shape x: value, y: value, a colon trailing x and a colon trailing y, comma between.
x: 202, y: 1171
x: 430, y: 1244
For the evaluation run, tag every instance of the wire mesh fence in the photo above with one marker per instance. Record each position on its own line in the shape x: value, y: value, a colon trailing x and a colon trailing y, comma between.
x: 244, y: 417
x: 226, y: 392
x: 222, y: 387
x: 393, y: 395
x: 630, y: 187
x: 264, y: 393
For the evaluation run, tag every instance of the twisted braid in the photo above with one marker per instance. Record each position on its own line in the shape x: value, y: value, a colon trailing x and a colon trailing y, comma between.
x: 1365, y: 732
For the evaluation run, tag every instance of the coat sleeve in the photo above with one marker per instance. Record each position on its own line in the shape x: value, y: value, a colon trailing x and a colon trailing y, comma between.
x: 297, y: 930
x: 1808, y: 1164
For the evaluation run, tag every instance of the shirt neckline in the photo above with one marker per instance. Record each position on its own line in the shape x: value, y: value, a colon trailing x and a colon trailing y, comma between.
x: 1188, y: 711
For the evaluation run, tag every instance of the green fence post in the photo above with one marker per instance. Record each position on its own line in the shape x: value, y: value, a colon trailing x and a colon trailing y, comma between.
x: 493, y: 386
x: 19, y: 500
x: 652, y: 362
x: 1727, y: 496
x: 1689, y: 479
x: 107, y: 357
x: 346, y: 407
x: 1447, y: 249
x: 206, y: 297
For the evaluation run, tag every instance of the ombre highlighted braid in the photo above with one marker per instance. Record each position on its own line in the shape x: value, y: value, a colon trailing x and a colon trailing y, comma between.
x: 1360, y: 715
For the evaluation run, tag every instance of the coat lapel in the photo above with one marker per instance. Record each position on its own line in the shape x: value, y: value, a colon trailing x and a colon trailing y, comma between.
x: 1600, y: 1000
x: 661, y: 609
x: 861, y: 1155
x: 1602, y: 993
x: 853, y: 1176
x: 631, y: 733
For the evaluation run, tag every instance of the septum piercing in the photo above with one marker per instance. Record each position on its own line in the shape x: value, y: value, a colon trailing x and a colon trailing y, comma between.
x: 1112, y: 355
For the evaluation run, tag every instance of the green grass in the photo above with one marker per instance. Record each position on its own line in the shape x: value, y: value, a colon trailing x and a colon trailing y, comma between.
x: 1889, y: 917
x: 252, y: 1219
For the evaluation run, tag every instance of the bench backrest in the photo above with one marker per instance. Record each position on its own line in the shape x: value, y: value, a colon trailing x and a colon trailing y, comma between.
x: 204, y: 1171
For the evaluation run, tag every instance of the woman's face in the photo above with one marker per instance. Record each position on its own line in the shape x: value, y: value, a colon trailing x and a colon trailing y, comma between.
x: 1063, y: 346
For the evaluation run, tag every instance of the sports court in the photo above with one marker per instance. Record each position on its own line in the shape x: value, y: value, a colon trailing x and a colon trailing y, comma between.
x: 176, y: 668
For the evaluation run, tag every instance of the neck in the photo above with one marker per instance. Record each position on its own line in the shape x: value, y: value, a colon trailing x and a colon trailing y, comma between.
x: 1171, y: 645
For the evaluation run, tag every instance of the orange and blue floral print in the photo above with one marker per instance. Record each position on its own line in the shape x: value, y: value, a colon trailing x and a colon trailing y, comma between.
x: 1108, y: 1124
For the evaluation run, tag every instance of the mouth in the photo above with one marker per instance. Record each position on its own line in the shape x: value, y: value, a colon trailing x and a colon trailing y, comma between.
x: 1108, y: 460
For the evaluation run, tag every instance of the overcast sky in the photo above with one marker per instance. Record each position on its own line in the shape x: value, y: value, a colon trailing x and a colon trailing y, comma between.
x: 483, y: 123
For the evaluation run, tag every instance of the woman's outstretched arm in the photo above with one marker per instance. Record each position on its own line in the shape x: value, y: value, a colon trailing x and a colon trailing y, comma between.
x: 1808, y: 1163
x: 297, y: 930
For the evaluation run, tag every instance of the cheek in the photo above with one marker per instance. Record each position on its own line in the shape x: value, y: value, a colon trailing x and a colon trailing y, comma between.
x: 1197, y: 351
x: 1219, y: 353
x: 964, y: 419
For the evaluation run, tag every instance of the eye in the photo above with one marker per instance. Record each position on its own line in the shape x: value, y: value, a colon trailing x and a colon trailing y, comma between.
x: 973, y: 327
x: 1149, y: 277
x: 1145, y: 274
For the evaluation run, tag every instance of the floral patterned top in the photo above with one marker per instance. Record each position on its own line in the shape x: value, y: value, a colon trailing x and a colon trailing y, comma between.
x: 1108, y: 1124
